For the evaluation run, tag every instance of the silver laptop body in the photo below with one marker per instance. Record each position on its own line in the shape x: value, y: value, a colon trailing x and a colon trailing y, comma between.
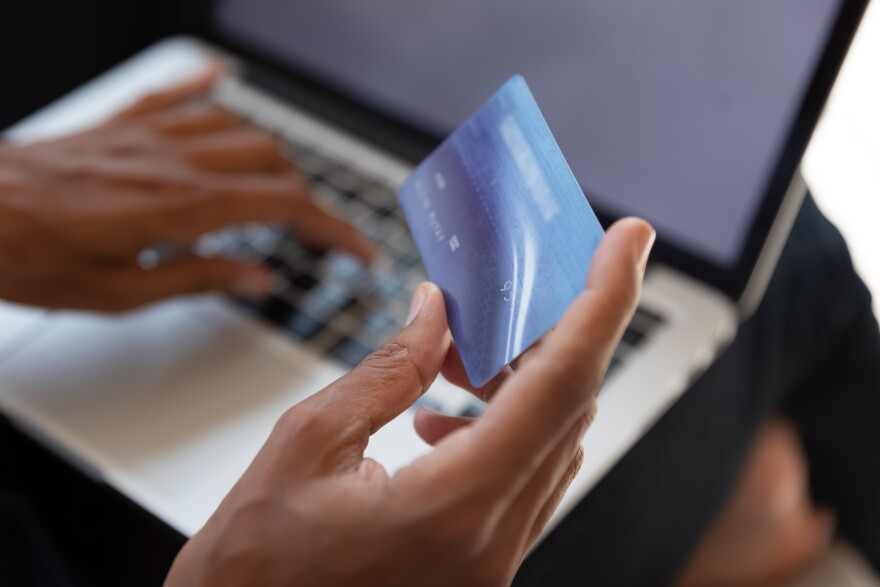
x: 170, y: 403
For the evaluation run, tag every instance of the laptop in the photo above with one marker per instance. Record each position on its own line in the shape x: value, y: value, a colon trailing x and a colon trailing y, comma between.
x: 693, y: 116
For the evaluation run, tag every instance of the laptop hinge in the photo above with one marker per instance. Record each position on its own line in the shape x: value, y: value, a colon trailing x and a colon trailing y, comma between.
x: 772, y: 250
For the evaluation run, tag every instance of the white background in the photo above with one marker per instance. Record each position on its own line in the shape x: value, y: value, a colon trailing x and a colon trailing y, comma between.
x: 842, y: 165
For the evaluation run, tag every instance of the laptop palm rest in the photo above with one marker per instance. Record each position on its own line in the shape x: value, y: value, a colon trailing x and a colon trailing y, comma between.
x: 169, y: 404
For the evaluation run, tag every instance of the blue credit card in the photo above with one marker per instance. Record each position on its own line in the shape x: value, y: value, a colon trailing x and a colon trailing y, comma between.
x: 503, y: 228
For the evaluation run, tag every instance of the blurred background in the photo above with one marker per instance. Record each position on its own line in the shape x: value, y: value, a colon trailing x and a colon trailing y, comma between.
x: 842, y: 165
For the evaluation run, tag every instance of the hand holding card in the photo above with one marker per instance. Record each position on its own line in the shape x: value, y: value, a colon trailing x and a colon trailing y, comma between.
x: 503, y: 228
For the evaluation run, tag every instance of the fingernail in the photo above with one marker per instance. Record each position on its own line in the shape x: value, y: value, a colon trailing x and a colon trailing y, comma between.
x: 417, y: 302
x: 644, y: 248
x: 251, y: 285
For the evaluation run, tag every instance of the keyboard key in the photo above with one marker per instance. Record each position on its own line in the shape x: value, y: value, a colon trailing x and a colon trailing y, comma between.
x: 379, y: 322
x: 212, y: 245
x: 621, y: 351
x: 334, y: 295
x: 408, y: 260
x: 303, y: 326
x: 613, y: 367
x: 344, y: 180
x: 376, y: 196
x: 382, y: 230
x: 388, y: 287
x: 636, y: 334
x: 280, y: 283
x: 402, y: 243
x: 341, y: 267
x: 288, y: 254
x: 383, y: 211
x: 633, y: 337
x: 316, y: 304
x: 324, y: 195
x: 312, y: 164
x: 292, y: 276
x: 472, y: 410
x: 242, y: 251
x: 646, y: 320
x: 304, y: 281
x: 349, y: 351
x: 273, y: 309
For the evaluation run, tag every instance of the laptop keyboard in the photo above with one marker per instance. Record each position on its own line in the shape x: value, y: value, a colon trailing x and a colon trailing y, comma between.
x: 340, y: 307
x: 330, y: 301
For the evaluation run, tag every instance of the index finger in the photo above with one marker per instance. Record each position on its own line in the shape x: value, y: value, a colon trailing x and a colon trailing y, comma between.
x: 174, y: 95
x: 535, y: 408
x: 285, y: 198
x: 211, y: 203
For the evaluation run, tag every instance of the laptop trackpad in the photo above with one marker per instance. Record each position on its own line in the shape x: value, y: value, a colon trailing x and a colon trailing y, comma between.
x: 169, y: 404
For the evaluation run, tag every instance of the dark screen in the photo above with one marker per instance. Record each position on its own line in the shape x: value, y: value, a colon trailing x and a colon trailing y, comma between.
x: 674, y: 110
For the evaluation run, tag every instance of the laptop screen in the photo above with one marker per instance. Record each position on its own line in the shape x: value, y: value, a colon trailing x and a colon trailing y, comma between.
x: 674, y: 110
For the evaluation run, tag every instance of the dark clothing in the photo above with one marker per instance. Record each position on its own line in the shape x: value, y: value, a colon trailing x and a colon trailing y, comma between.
x: 59, y: 528
x: 810, y: 352
x: 49, y: 47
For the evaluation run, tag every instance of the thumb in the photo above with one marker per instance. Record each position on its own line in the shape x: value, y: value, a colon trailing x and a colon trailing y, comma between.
x: 391, y: 380
x: 387, y: 382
